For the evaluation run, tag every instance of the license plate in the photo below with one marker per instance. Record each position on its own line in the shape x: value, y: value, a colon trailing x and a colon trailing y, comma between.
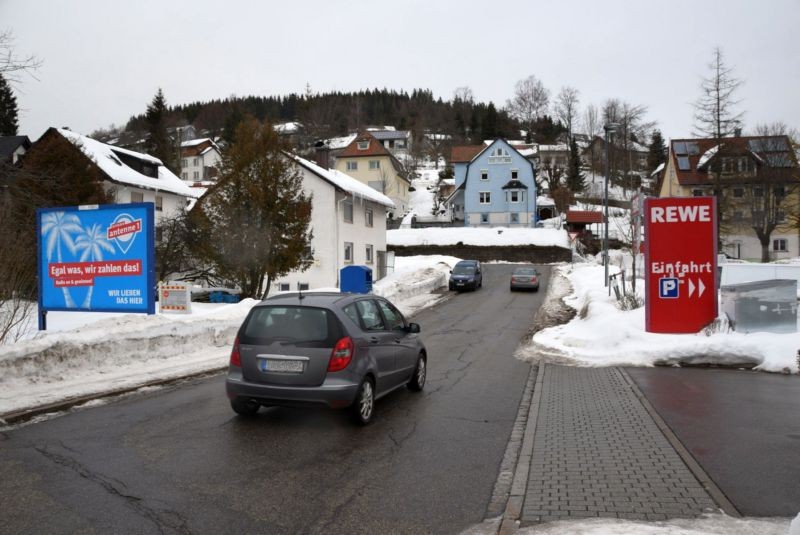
x: 459, y: 284
x: 282, y: 366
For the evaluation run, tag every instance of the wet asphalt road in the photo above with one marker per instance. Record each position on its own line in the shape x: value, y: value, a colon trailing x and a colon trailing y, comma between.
x: 742, y: 427
x: 179, y: 461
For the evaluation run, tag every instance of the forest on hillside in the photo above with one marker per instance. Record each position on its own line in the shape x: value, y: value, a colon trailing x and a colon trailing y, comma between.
x: 461, y: 119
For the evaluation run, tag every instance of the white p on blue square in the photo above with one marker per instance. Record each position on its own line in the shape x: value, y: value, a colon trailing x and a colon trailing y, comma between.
x: 668, y: 288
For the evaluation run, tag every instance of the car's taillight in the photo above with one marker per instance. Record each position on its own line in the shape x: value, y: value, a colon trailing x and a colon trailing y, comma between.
x: 513, y: 279
x: 236, y: 359
x: 341, y: 355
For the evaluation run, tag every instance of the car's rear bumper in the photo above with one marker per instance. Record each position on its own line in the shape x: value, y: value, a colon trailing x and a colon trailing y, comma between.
x: 524, y: 286
x: 334, y: 393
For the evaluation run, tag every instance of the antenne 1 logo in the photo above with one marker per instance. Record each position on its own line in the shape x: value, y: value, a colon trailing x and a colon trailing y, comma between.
x: 123, y: 231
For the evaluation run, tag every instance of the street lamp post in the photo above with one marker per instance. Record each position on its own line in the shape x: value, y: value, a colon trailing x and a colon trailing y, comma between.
x: 609, y: 128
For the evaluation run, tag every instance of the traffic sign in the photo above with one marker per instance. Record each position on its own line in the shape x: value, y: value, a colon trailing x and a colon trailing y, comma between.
x: 681, y: 264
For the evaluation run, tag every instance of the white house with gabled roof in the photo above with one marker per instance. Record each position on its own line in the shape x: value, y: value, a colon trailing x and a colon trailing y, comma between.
x: 348, y: 222
x: 132, y: 176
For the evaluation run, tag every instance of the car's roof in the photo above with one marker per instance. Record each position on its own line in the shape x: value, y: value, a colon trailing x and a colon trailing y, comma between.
x: 470, y: 262
x: 312, y: 299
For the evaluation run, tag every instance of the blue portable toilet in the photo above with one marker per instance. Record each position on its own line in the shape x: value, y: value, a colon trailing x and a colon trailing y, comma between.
x: 355, y: 279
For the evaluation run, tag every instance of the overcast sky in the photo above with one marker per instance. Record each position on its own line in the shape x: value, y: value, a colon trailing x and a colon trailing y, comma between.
x: 104, y: 60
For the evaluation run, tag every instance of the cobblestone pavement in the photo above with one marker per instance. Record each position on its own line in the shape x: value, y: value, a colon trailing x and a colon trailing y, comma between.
x: 598, y: 453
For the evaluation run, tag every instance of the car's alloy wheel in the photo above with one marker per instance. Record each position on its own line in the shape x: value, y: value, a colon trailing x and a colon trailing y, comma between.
x: 365, y: 403
x: 417, y: 382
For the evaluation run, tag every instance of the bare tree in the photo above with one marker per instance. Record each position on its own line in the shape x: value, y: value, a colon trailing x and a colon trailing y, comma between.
x: 566, y: 109
x: 12, y: 65
x: 17, y: 305
x: 631, y: 131
x: 531, y: 99
x: 715, y: 115
x: 591, y: 121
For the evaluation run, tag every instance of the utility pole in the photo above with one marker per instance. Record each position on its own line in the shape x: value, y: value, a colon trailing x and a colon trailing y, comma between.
x: 609, y: 128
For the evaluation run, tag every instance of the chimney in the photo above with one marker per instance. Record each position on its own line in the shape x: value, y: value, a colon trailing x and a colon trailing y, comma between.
x: 322, y: 156
x: 737, y: 132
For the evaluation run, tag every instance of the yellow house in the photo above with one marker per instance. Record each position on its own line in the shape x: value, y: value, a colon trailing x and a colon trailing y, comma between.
x: 760, y: 191
x: 368, y: 161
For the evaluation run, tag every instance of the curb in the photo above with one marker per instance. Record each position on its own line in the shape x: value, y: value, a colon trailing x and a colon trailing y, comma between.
x: 516, y: 499
x: 694, y: 467
x: 23, y: 415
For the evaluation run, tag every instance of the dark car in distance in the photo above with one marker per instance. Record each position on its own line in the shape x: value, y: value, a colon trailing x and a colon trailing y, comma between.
x: 320, y: 349
x: 466, y: 275
x: 525, y: 278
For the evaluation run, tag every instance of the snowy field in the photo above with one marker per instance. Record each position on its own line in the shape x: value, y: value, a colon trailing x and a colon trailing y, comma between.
x: 478, y: 236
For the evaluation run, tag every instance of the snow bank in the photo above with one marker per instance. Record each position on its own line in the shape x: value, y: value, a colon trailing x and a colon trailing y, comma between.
x: 603, y: 335
x: 478, y: 236
x: 117, y: 352
x: 708, y: 525
x: 414, y: 280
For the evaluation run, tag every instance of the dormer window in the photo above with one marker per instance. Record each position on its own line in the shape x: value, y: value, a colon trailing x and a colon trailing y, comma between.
x: 363, y: 145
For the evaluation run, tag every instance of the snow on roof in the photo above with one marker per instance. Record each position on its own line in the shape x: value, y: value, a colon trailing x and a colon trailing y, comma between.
x: 448, y: 181
x: 336, y: 143
x: 103, y: 155
x: 544, y: 200
x: 658, y: 169
x: 288, y: 128
x: 527, y: 152
x: 193, y: 142
x: 561, y: 147
x: 707, y: 155
x: 346, y: 182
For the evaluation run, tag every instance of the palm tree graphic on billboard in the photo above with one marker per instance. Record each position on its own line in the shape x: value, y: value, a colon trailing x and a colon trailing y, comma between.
x: 57, y: 228
x: 91, y: 245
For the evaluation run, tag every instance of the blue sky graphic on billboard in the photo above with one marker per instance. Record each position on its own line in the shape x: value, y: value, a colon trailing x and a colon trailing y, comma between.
x: 98, y: 258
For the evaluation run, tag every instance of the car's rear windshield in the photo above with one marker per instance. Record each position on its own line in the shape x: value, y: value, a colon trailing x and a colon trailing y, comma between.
x: 530, y: 272
x: 464, y: 270
x: 290, y: 324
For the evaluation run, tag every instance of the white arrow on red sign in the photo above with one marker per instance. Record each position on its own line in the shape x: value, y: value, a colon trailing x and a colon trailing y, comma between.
x: 700, y: 287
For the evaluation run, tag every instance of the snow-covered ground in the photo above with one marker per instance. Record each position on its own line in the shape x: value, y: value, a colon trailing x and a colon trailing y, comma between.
x: 88, y: 353
x: 601, y: 334
x: 708, y: 525
x: 478, y: 236
x: 422, y: 200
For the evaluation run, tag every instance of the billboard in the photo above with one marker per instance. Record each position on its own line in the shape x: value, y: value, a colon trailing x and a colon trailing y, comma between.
x: 681, y: 264
x: 96, y: 258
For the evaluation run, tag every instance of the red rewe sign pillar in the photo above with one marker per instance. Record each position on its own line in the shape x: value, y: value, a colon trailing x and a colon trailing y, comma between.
x: 681, y: 263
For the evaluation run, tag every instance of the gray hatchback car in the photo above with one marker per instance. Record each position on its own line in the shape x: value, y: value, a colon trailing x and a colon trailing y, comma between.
x: 324, y: 349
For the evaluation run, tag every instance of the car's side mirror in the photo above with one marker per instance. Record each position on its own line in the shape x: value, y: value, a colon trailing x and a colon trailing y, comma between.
x: 413, y: 328
x: 451, y: 271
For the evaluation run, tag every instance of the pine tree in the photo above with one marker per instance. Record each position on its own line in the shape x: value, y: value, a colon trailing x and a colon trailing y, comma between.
x: 576, y: 181
x: 160, y: 145
x: 255, y: 220
x: 8, y: 109
x: 657, y: 153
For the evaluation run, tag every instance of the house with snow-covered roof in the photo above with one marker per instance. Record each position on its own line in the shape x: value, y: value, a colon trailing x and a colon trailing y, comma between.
x: 129, y: 176
x: 369, y: 162
x: 348, y: 222
x: 759, y: 182
x: 494, y: 186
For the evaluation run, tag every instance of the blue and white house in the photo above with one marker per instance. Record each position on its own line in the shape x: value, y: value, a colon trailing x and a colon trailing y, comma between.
x: 495, y: 188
